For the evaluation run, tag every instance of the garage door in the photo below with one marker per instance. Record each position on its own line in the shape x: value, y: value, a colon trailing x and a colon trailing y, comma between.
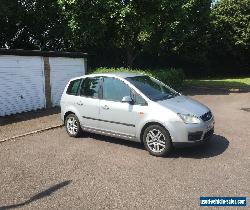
x: 21, y: 84
x: 61, y: 71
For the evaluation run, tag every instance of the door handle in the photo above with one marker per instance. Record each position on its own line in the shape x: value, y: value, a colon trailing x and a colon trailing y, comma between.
x: 105, y: 107
x: 79, y: 103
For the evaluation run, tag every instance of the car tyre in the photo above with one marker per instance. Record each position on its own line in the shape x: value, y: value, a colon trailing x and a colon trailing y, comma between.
x: 73, y: 126
x: 157, y: 140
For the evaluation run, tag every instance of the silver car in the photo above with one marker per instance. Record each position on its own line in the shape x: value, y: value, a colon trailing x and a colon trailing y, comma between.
x: 134, y: 107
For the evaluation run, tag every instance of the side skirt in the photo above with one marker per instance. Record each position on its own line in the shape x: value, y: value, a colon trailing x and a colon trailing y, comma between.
x: 110, y: 133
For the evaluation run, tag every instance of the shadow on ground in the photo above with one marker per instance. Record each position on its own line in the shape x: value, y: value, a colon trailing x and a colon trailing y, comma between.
x: 214, y: 147
x: 108, y: 139
x: 28, y: 116
x: 39, y: 196
x: 246, y: 109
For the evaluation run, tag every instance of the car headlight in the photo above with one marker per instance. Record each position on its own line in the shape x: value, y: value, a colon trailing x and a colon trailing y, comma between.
x: 189, y: 119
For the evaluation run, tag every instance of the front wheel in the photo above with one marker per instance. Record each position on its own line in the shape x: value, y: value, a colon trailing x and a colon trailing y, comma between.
x: 157, y: 140
x: 73, y: 126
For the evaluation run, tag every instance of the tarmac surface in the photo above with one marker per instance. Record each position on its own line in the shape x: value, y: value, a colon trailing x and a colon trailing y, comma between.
x: 50, y: 170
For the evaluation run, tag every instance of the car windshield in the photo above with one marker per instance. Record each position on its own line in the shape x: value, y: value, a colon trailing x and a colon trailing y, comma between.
x: 152, y: 88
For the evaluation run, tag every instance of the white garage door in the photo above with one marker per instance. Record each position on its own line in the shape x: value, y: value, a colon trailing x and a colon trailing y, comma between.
x: 61, y: 71
x: 21, y: 84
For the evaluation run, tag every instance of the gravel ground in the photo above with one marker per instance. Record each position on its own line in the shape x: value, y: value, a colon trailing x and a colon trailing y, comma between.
x: 52, y: 171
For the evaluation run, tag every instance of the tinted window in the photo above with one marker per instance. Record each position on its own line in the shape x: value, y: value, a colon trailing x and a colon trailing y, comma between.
x: 152, y: 88
x: 90, y: 87
x: 73, y: 87
x: 114, y: 89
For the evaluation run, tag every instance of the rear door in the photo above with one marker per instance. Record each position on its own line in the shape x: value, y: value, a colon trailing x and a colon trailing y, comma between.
x: 88, y: 102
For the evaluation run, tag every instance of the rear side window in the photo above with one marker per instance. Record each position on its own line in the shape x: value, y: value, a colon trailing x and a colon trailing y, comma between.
x: 90, y: 87
x: 73, y: 87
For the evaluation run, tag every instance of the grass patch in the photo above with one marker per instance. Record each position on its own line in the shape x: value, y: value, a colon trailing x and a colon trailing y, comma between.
x: 226, y: 82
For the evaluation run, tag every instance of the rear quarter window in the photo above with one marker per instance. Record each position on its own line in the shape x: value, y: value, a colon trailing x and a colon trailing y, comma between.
x: 73, y: 87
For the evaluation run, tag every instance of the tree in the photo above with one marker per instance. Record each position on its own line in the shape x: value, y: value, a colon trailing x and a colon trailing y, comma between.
x: 124, y: 25
x: 230, y: 34
x: 183, y: 30
x: 9, y: 22
x: 33, y: 24
x: 196, y: 33
x: 135, y: 27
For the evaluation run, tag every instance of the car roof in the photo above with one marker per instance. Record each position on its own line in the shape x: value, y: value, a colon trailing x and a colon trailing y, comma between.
x: 118, y: 74
x: 122, y: 75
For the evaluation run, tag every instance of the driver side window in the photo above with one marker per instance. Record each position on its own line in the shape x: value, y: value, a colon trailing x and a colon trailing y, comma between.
x: 114, y: 89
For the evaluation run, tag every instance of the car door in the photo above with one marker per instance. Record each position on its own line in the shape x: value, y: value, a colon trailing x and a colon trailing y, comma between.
x: 88, y: 102
x: 116, y: 116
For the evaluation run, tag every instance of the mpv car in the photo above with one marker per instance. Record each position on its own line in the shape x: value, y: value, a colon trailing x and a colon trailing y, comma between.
x: 134, y: 107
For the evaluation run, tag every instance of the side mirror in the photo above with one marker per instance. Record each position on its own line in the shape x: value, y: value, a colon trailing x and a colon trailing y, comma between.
x: 127, y: 99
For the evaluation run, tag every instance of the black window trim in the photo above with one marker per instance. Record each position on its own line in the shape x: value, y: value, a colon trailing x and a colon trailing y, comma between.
x: 78, y: 92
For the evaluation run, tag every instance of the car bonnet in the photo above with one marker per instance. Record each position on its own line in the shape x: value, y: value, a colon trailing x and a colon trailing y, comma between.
x: 184, y: 105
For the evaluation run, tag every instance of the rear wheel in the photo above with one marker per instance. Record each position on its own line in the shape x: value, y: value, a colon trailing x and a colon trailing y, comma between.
x: 72, y: 126
x: 157, y: 140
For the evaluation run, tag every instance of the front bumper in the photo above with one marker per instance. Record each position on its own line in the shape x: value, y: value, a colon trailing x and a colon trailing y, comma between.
x: 191, y: 133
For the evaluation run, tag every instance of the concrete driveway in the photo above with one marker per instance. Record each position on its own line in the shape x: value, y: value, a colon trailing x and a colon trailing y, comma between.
x: 52, y: 171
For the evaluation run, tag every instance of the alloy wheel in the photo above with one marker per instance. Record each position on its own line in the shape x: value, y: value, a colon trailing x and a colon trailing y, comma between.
x: 72, y: 125
x: 156, y: 141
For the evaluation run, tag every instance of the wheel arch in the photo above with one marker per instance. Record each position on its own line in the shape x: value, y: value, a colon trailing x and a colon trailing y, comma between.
x: 66, y: 114
x: 149, y: 124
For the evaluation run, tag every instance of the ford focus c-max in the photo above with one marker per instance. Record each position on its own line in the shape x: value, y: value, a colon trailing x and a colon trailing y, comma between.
x: 134, y: 107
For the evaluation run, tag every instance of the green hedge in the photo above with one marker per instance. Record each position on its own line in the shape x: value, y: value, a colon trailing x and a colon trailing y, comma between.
x: 172, y: 77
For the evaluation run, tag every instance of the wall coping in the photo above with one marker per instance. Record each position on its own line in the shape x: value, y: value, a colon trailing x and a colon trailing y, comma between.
x: 21, y: 52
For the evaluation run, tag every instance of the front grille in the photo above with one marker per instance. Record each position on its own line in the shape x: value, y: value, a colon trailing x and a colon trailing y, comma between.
x: 208, y: 134
x: 195, y: 136
x: 207, y: 116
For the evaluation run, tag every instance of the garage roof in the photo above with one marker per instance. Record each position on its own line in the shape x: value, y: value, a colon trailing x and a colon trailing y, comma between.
x: 42, y: 53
